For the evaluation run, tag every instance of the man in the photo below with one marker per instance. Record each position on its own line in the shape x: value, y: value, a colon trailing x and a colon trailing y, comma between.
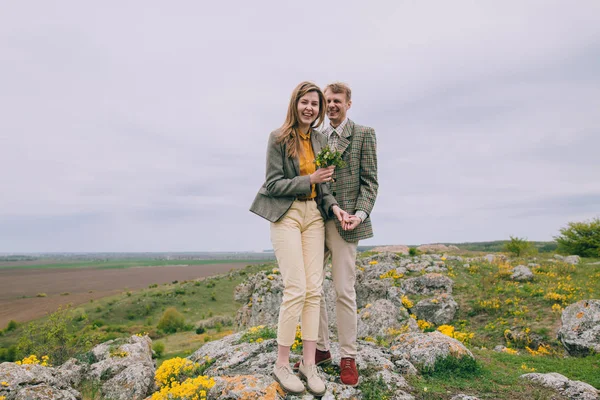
x: 355, y: 189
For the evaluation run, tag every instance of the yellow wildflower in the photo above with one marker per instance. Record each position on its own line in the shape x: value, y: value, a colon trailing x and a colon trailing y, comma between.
x: 406, y: 302
x: 424, y: 324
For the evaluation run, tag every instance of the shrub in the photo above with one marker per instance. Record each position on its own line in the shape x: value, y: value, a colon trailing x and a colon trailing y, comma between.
x: 519, y: 247
x: 12, y: 325
x: 412, y: 251
x: 8, y: 354
x: 171, y: 321
x: 159, y: 348
x: 59, y: 337
x: 200, y: 330
x: 466, y: 367
x: 580, y: 238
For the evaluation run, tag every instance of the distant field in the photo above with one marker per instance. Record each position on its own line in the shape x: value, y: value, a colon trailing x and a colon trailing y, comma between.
x: 114, y: 264
x: 31, y: 291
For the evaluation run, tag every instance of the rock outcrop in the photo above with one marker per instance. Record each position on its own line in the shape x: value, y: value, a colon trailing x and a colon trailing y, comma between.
x: 439, y: 310
x: 521, y: 273
x: 568, y: 259
x: 574, y: 390
x: 424, y: 350
x: 436, y: 248
x: 383, y: 317
x: 244, y: 369
x: 428, y: 284
x: 123, y: 369
x: 580, y: 330
x: 393, y: 249
x: 34, y: 381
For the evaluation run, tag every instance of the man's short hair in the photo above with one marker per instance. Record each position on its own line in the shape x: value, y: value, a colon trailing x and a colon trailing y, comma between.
x: 340, y: 87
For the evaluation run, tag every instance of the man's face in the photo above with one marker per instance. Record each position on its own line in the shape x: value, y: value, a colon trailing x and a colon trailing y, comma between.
x: 337, y: 106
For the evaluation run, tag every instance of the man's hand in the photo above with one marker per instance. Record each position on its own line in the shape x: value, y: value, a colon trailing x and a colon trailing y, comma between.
x: 351, y: 222
x: 339, y: 213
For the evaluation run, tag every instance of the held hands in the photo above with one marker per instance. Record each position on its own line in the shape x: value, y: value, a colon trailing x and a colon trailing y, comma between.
x: 348, y: 222
x: 322, y: 175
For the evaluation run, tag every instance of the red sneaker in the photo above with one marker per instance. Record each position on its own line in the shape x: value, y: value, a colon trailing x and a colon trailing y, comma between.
x: 348, y: 372
x: 321, y: 357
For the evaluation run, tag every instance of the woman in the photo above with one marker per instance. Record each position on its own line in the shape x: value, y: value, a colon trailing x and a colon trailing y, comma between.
x: 296, y: 202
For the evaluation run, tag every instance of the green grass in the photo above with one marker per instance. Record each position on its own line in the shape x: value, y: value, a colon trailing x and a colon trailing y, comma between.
x: 140, y: 311
x: 121, y: 264
x: 498, y: 377
x: 523, y: 305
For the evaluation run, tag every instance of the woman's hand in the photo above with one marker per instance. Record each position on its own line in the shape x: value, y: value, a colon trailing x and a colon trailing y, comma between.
x: 322, y: 175
x: 339, y: 213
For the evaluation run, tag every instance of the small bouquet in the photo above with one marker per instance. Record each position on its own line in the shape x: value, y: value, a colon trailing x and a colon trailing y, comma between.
x: 328, y: 157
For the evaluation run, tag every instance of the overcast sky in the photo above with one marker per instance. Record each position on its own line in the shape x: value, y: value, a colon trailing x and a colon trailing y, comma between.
x: 142, y: 126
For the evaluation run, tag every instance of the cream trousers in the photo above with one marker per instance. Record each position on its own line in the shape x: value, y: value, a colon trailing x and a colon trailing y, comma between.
x: 343, y: 272
x: 298, y: 241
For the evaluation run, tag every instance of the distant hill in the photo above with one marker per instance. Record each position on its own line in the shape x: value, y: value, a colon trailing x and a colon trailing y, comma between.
x: 494, y: 246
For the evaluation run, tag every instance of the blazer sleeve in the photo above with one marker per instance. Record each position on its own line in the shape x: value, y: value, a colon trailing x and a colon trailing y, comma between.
x: 276, y: 183
x: 368, y: 173
x: 328, y: 200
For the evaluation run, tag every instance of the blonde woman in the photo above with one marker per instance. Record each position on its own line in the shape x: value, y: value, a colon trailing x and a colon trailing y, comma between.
x: 296, y: 202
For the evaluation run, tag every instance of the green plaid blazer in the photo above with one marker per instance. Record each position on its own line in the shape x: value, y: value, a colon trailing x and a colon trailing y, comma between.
x: 283, y: 182
x: 355, y: 186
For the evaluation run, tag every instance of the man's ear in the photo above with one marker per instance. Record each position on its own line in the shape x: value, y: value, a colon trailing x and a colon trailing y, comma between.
x: 349, y: 104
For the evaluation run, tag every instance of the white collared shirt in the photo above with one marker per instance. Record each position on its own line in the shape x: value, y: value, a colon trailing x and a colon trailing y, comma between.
x: 333, y: 138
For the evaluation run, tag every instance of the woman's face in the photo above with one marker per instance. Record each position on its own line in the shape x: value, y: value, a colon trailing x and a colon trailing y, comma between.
x: 308, y: 109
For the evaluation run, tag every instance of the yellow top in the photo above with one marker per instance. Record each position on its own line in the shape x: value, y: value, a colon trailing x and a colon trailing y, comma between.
x: 306, y: 159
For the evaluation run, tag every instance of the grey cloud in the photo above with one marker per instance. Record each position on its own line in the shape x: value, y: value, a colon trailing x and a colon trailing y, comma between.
x: 143, y: 126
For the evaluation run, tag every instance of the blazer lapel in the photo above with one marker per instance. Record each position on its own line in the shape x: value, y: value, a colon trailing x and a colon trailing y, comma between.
x: 344, y: 139
x: 296, y: 165
x: 316, y: 143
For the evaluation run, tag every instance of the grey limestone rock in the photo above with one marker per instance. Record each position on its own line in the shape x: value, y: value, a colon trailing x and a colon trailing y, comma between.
x: 580, y: 330
x: 423, y: 350
x: 243, y: 370
x: 44, y: 391
x: 440, y: 310
x: 574, y: 390
x: 572, y: 260
x: 34, y: 382
x: 125, y: 368
x: 261, y: 295
x: 428, y: 284
x: 521, y: 273
x: 377, y: 319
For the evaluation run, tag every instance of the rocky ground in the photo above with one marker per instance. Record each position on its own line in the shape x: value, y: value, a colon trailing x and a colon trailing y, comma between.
x: 392, y: 345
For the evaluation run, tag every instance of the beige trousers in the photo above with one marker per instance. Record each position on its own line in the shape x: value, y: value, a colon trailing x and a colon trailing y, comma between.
x: 343, y: 271
x: 298, y: 243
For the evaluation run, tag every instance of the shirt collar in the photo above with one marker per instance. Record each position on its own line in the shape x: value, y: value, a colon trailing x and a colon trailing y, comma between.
x: 340, y: 128
x: 303, y: 135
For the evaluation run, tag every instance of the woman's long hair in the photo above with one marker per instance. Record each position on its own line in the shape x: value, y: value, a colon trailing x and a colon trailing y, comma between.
x: 289, y: 130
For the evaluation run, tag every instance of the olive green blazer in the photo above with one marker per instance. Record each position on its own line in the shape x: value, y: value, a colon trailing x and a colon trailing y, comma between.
x: 283, y: 183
